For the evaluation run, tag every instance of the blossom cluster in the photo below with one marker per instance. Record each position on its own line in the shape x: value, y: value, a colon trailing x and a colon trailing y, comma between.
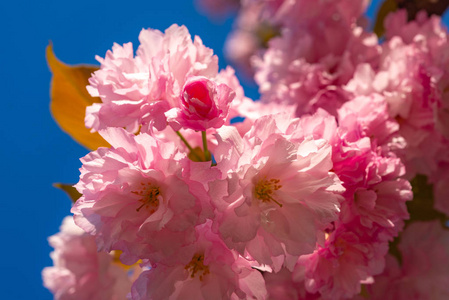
x: 301, y: 200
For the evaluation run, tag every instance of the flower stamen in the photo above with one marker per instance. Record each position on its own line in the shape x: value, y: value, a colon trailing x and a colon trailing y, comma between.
x: 196, y: 265
x: 265, y: 188
x: 149, y: 197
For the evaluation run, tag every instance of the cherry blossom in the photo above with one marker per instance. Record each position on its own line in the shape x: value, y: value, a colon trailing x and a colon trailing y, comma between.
x: 80, y: 271
x: 207, y: 270
x: 277, y: 194
x: 421, y: 272
x: 135, y: 198
x: 138, y: 90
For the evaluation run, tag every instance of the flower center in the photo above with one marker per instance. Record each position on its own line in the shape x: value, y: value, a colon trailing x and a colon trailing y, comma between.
x: 149, y: 197
x: 264, y: 190
x: 196, y: 266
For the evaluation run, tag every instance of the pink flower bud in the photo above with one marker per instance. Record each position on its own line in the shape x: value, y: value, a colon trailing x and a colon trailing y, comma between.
x: 204, y: 104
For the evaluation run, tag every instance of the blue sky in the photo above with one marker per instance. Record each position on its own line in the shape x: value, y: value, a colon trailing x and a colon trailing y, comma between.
x: 36, y: 153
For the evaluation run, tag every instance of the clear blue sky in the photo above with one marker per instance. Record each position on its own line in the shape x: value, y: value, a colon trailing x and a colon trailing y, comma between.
x: 34, y: 150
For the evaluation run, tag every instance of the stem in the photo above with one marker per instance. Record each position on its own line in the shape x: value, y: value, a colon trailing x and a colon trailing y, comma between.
x: 184, y: 140
x: 188, y: 145
x: 206, y: 151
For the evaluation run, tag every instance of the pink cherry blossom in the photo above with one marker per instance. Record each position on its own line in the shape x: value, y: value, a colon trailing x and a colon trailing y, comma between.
x: 337, y: 270
x: 79, y: 271
x: 422, y: 272
x: 282, y: 286
x: 240, y: 46
x: 425, y: 28
x: 426, y: 127
x: 277, y: 195
x: 372, y: 115
x: 138, y: 90
x: 373, y: 210
x: 135, y: 198
x: 289, y: 13
x: 310, y: 62
x: 259, y: 21
x: 207, y: 270
x: 412, y: 77
x: 407, y: 82
x: 380, y: 196
x: 251, y: 33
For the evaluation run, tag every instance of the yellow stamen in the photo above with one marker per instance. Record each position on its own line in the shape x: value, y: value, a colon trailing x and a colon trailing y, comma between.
x: 264, y: 190
x: 196, y: 265
x: 149, y: 197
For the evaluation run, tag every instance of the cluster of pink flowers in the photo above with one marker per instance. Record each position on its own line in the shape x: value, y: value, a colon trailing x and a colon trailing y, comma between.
x: 81, y: 272
x: 422, y: 272
x: 412, y: 80
x: 301, y: 200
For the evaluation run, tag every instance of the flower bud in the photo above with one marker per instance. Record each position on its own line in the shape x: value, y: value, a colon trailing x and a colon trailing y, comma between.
x: 204, y: 104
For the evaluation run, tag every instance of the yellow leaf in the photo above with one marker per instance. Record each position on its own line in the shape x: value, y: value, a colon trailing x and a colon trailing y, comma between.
x: 69, y: 190
x: 116, y: 260
x: 69, y: 99
x: 387, y: 7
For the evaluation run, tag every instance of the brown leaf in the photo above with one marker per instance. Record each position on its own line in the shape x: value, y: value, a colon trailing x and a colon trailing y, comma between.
x: 69, y: 190
x: 69, y: 99
x: 387, y: 7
